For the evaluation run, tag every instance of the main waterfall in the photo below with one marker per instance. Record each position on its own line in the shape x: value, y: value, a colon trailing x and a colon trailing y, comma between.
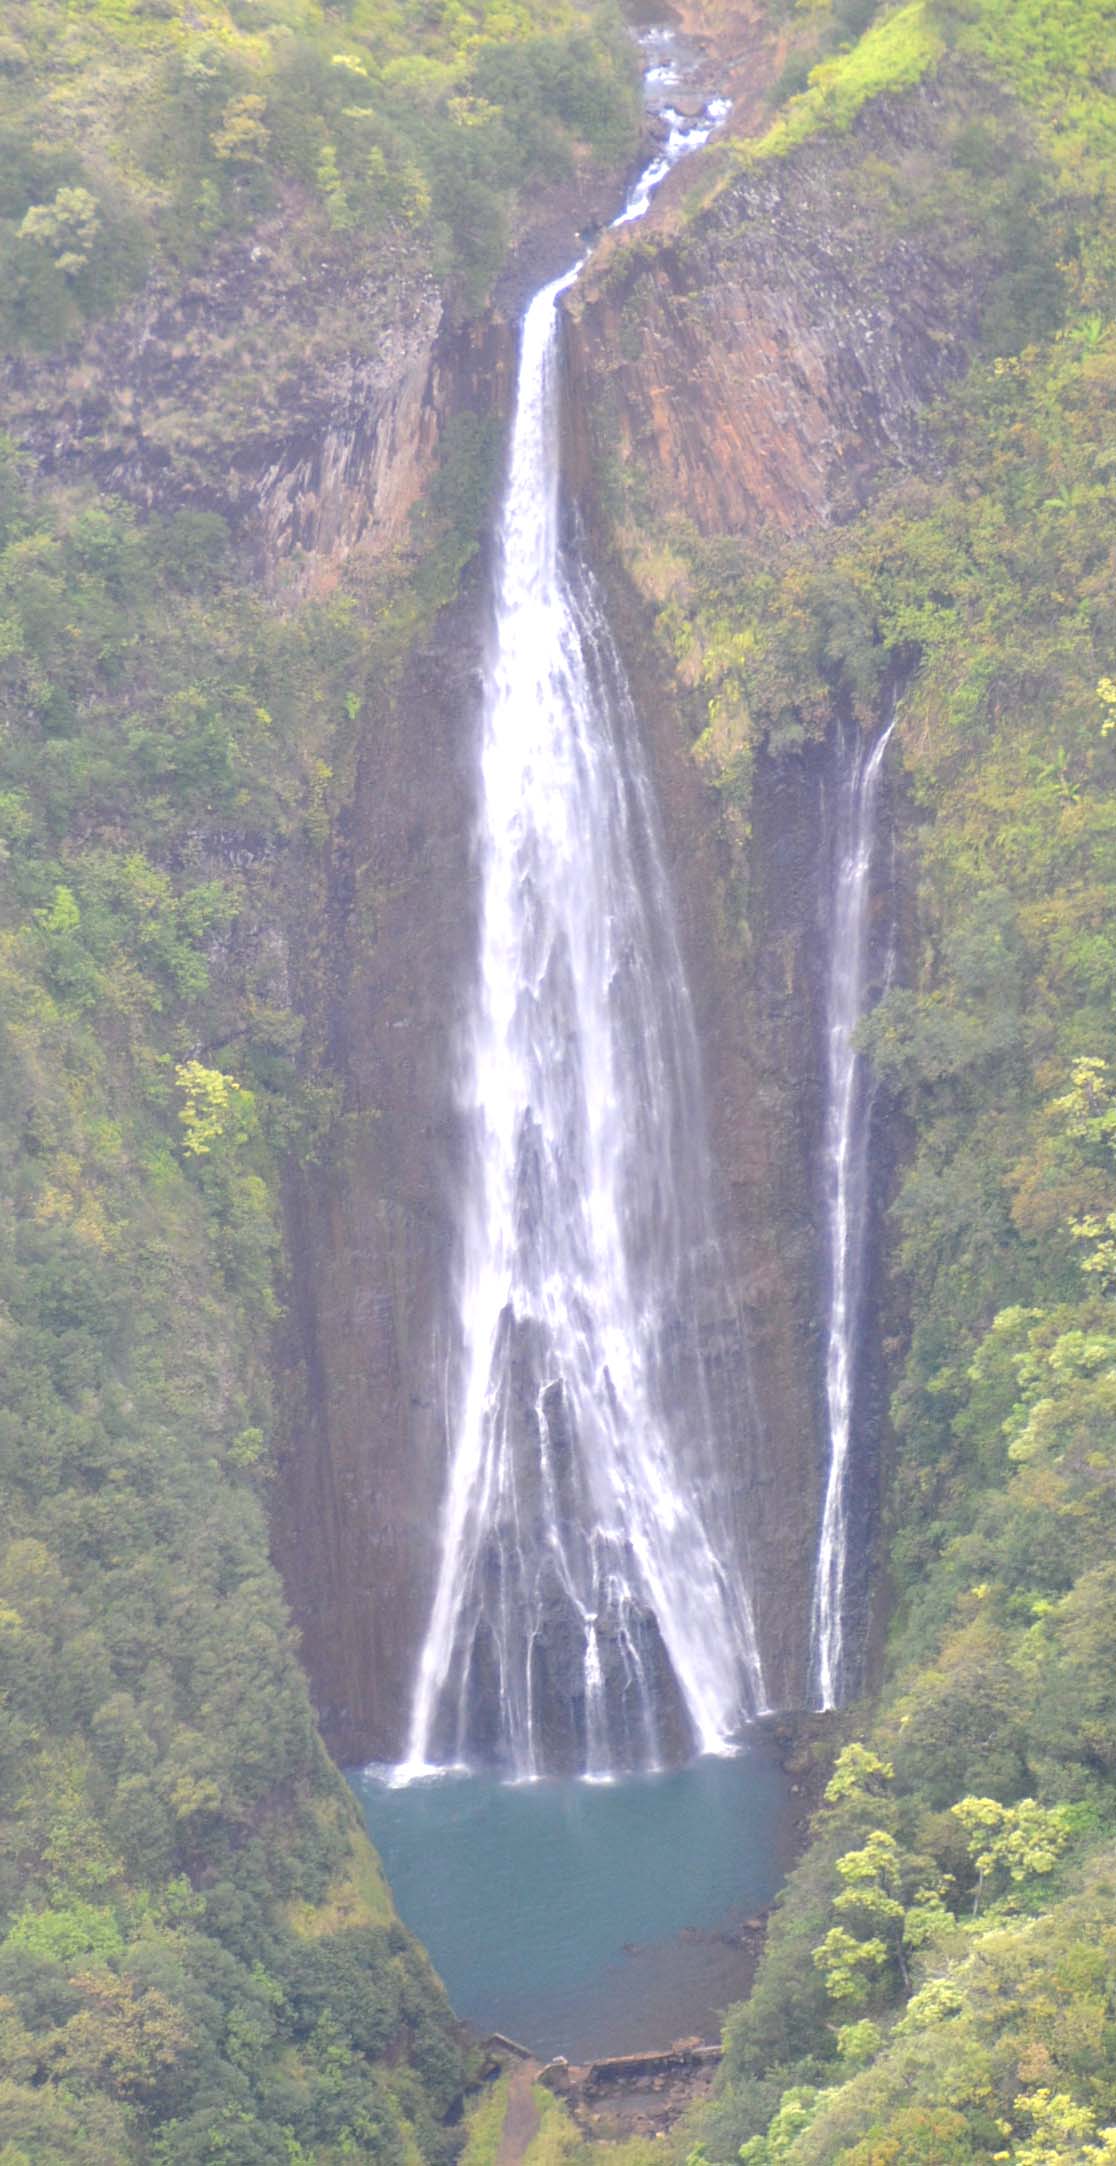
x: 590, y: 1612
x: 847, y: 1135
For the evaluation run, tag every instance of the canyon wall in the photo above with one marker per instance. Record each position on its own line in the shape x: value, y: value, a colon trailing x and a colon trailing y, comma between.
x: 750, y: 368
x: 781, y: 354
x: 782, y: 342
x: 371, y: 1229
x: 303, y: 403
x: 752, y: 363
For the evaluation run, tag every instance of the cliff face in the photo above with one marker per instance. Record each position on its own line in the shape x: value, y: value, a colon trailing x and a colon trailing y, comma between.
x: 761, y: 363
x: 303, y: 403
x: 753, y: 367
x: 371, y: 1230
x: 757, y: 366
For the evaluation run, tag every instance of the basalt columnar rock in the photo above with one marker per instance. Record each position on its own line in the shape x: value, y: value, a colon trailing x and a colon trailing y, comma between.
x: 778, y: 345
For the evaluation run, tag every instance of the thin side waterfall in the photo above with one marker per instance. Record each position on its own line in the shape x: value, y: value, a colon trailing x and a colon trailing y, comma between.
x: 847, y: 1136
x: 590, y: 1613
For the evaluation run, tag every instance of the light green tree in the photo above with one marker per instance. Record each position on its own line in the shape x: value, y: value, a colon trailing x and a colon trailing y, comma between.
x: 242, y: 138
x: 1060, y: 2133
x: 851, y: 1967
x: 213, y: 1104
x: 797, y: 2109
x: 66, y: 228
x: 1016, y: 1843
x: 858, y: 1774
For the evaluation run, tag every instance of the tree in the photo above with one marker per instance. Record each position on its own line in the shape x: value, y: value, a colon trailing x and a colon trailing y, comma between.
x: 65, y: 228
x: 917, y: 2136
x: 853, y: 1968
x: 1018, y: 1843
x: 214, y: 1104
x: 242, y: 137
x: 858, y: 1774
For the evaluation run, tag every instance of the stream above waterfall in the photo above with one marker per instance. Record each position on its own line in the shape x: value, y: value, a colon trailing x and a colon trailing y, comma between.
x: 585, y: 1918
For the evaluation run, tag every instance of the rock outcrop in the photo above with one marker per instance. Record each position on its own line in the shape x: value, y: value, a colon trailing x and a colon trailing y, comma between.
x: 302, y: 400
x: 777, y: 346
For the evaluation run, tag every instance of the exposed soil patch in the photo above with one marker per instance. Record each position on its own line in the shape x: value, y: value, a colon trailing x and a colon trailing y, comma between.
x: 521, y: 2119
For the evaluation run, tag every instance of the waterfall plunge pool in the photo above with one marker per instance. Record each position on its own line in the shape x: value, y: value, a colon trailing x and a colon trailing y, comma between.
x: 587, y: 1918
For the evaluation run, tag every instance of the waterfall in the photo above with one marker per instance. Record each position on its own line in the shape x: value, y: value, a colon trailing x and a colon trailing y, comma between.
x: 847, y: 1135
x: 590, y: 1613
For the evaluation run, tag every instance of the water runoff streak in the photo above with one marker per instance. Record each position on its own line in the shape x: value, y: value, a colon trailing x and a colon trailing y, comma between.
x: 589, y: 1614
x: 848, y: 1123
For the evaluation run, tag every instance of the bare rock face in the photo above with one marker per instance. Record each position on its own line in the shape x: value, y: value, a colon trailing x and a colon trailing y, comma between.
x: 370, y: 1230
x: 302, y: 400
x: 773, y: 351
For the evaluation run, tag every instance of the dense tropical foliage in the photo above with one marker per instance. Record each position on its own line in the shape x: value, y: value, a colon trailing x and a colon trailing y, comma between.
x: 137, y: 133
x: 939, y: 1978
x: 198, y: 1957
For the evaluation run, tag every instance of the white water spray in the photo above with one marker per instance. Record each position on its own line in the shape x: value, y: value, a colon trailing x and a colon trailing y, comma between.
x: 848, y: 1119
x: 589, y: 1611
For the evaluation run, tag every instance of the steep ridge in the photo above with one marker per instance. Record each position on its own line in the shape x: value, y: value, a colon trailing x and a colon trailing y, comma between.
x: 782, y: 342
x: 752, y: 373
x: 933, y: 1958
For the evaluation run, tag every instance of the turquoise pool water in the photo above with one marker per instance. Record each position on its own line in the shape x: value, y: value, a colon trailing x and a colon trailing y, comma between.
x: 586, y: 1918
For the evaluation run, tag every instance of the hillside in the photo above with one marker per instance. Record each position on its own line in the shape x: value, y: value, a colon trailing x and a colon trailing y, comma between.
x: 937, y: 1984
x: 212, y: 222
x: 841, y: 427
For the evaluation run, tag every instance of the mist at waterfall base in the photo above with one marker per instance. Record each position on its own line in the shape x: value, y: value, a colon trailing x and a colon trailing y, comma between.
x: 586, y: 1918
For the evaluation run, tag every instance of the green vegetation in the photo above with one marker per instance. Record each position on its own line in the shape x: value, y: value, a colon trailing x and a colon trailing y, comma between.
x: 198, y: 1957
x: 1056, y: 57
x: 485, y: 2125
x: 937, y: 1984
x: 896, y: 52
x: 136, y: 133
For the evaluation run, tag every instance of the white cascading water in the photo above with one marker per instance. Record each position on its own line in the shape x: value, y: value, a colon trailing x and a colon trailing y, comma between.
x: 847, y: 1130
x: 589, y: 1612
